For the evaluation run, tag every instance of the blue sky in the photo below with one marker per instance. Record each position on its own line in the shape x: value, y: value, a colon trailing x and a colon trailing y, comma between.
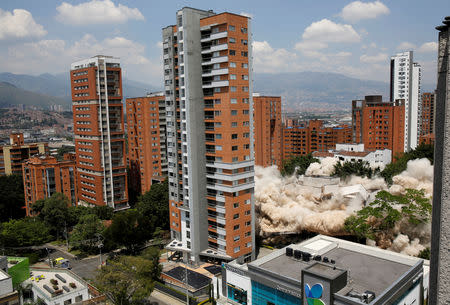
x: 355, y: 38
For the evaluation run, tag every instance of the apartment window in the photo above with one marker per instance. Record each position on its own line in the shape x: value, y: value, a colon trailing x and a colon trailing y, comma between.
x: 248, y: 223
x: 248, y: 212
x: 236, y: 216
x: 236, y: 205
x: 236, y: 238
x: 245, y: 54
x: 244, y: 42
x: 232, y: 40
x: 246, y: 135
x: 246, y: 123
x: 248, y: 233
x: 234, y: 148
x: 188, y: 234
x: 245, y: 89
x: 232, y: 76
x: 232, y: 52
x: 245, y: 111
x: 233, y: 101
x: 244, y: 30
x: 232, y: 28
x: 217, y: 90
x: 237, y: 249
x: 245, y: 100
x: 232, y: 65
x: 246, y: 146
x: 233, y: 124
x: 216, y: 54
x: 234, y: 159
x: 216, y: 66
x: 233, y: 88
x: 234, y: 136
x: 218, y: 136
x: 244, y: 65
x: 233, y: 112
x: 248, y: 245
x: 236, y: 227
x: 245, y: 77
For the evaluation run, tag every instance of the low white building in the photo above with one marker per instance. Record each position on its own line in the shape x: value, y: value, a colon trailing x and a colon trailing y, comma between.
x: 56, y: 286
x: 7, y: 294
x: 355, y: 152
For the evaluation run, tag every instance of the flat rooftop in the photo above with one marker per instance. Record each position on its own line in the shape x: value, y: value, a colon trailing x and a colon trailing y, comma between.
x: 41, y: 278
x: 3, y: 275
x: 368, y: 268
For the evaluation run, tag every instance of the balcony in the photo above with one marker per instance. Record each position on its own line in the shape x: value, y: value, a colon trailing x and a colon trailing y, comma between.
x: 215, y: 48
x: 215, y: 84
x: 215, y: 60
x: 213, y: 72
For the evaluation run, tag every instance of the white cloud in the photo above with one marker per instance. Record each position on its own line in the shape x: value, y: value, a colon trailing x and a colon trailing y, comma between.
x: 406, y: 46
x: 306, y: 46
x: 357, y: 10
x: 247, y: 14
x: 96, y: 12
x: 269, y: 60
x: 55, y: 56
x: 328, y: 31
x: 381, y: 57
x: 19, y: 24
x: 428, y: 47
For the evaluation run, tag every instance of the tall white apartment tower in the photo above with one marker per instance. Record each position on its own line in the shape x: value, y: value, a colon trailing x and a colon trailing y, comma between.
x: 406, y: 78
x: 208, y: 89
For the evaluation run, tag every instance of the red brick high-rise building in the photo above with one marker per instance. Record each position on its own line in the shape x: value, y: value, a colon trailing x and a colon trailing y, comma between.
x: 268, y: 130
x: 45, y: 175
x: 208, y: 88
x: 147, y: 145
x: 99, y: 131
x: 311, y: 136
x: 378, y: 124
x: 427, y: 120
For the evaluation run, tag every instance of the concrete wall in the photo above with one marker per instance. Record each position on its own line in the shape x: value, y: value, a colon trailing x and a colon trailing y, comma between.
x: 440, y: 254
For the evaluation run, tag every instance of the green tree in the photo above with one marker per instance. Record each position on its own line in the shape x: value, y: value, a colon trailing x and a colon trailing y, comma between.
x: 127, y: 280
x: 297, y: 165
x: 11, y: 197
x: 129, y: 229
x: 54, y: 211
x: 24, y: 232
x: 381, y: 215
x: 358, y: 168
x: 401, y: 161
x: 84, y: 234
x: 154, y: 205
x: 152, y: 254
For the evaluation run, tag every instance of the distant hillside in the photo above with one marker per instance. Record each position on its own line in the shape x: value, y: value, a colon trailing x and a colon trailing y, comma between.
x: 10, y: 95
x: 307, y: 89
x: 59, y: 85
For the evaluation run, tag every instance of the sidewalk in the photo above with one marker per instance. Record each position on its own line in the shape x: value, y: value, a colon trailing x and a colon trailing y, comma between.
x: 162, y: 297
x: 63, y: 249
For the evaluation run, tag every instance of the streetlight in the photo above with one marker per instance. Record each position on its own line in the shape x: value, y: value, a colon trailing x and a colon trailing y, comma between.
x: 100, y: 246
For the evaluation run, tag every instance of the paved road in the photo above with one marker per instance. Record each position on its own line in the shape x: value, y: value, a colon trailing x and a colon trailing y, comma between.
x: 85, y: 268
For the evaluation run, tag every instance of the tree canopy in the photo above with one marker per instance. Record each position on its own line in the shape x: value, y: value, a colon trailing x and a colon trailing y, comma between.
x: 401, y: 161
x: 24, y: 232
x: 11, y: 197
x: 154, y: 205
x: 127, y: 280
x: 358, y: 168
x: 297, y: 165
x: 54, y: 212
x: 380, y: 216
x: 84, y: 235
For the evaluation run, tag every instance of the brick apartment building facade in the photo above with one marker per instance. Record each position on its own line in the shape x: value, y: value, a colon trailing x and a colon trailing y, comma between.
x: 12, y: 156
x: 307, y: 137
x: 208, y: 88
x: 378, y: 124
x: 427, y: 118
x: 147, y: 144
x: 45, y: 175
x: 268, y: 130
x: 99, y: 131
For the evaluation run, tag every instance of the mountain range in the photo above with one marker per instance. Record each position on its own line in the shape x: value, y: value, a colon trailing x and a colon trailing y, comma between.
x: 299, y: 90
